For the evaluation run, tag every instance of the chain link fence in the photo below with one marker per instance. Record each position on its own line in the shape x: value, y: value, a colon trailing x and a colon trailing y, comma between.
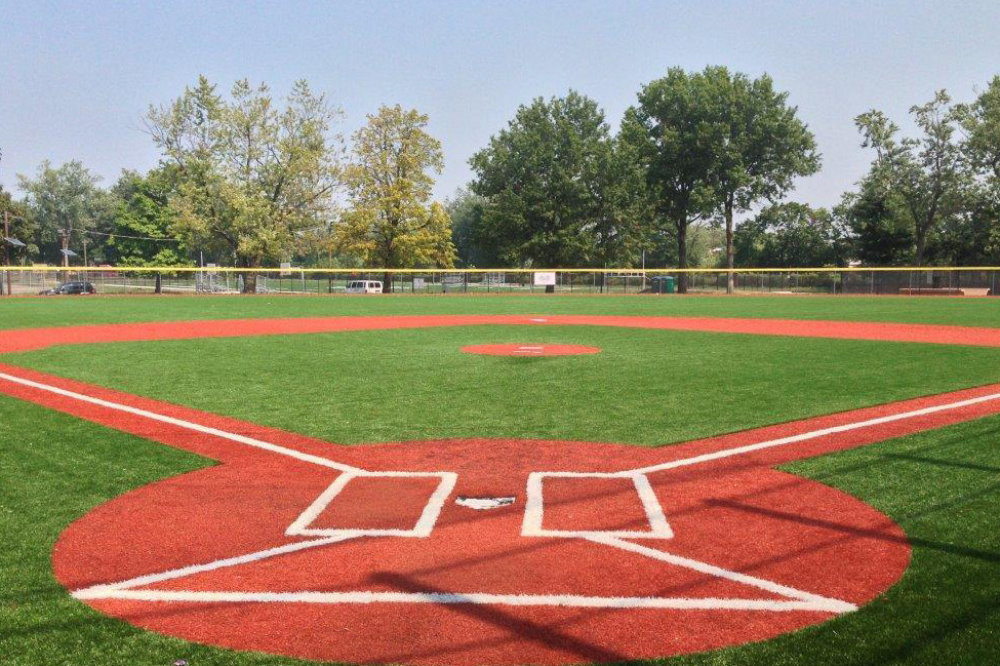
x: 896, y: 281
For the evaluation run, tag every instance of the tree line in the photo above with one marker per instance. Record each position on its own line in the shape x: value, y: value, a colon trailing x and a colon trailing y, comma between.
x: 249, y: 180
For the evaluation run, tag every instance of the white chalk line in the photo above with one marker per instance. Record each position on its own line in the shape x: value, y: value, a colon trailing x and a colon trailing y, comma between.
x: 833, y: 605
x: 479, y: 598
x: 534, y: 509
x: 103, y: 590
x: 750, y: 448
x: 188, y: 425
x: 800, y: 600
x: 423, y: 527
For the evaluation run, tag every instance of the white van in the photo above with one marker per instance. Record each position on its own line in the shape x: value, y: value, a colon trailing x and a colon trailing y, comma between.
x: 364, y: 287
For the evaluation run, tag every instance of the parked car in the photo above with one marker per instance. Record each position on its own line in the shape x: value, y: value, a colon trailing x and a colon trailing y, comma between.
x: 80, y: 288
x: 364, y: 287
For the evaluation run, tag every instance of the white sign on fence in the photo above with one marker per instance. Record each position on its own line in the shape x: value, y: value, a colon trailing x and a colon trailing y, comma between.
x: 286, y: 268
x: 418, y: 283
x: 545, y: 279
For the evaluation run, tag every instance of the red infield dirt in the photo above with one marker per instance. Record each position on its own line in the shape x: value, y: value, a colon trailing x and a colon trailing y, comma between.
x: 530, y: 350
x: 608, y: 552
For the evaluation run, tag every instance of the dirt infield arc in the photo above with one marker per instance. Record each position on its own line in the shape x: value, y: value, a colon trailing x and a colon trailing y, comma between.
x: 16, y: 340
x: 361, y: 554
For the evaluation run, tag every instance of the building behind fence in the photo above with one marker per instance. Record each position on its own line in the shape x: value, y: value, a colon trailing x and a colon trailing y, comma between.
x: 977, y: 281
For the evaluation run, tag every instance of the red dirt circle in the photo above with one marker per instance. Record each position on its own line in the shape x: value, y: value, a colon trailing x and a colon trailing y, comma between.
x: 530, y: 350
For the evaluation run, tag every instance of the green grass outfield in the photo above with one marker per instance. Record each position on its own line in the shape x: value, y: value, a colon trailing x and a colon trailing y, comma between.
x: 646, y: 388
x: 21, y: 312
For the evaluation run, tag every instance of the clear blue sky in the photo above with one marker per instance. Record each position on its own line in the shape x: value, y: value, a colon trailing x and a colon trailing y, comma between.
x: 76, y: 77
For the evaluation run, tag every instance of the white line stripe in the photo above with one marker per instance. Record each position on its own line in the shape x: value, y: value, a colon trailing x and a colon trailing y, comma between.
x: 249, y: 441
x: 833, y: 605
x: 567, y: 600
x: 102, y: 591
x: 725, y: 453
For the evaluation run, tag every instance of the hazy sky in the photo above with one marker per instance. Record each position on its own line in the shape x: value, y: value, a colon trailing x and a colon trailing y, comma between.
x: 76, y: 77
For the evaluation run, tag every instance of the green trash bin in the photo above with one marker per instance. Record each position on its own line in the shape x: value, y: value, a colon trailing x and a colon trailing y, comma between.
x: 668, y: 285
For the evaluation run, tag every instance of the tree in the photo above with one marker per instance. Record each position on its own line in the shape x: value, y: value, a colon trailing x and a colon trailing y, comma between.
x: 926, y: 174
x: 674, y: 132
x: 981, y: 122
x: 466, y: 211
x: 546, y: 180
x: 249, y: 174
x: 761, y: 149
x: 22, y: 228
x: 390, y: 223
x: 880, y: 232
x: 72, y: 212
x: 791, y: 234
x: 143, y: 220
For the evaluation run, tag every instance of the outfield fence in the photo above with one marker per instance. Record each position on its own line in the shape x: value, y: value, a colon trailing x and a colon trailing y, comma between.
x: 971, y: 281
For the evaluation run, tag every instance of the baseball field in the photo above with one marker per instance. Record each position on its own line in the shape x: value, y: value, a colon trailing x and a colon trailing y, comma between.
x: 492, y: 480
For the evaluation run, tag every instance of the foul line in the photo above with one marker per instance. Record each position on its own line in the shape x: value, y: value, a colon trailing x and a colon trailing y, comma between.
x: 750, y: 448
x: 249, y: 441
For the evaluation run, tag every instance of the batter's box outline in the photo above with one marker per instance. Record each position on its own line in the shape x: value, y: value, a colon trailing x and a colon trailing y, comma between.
x: 421, y: 529
x: 534, y: 508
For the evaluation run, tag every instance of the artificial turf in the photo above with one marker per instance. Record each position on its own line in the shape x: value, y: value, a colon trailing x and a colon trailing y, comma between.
x: 75, y: 310
x: 645, y: 388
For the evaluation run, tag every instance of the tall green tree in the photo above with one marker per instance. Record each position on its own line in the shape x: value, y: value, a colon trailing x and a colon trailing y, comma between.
x: 466, y: 210
x: 674, y: 133
x: 926, y: 174
x: 548, y: 182
x: 791, y: 234
x: 761, y: 146
x: 881, y: 233
x: 249, y: 174
x: 71, y: 211
x: 391, y: 222
x: 143, y: 220
x: 22, y: 228
x: 981, y: 122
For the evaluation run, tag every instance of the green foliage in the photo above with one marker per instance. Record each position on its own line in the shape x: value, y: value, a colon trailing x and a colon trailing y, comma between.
x: 924, y: 176
x: 22, y: 227
x: 881, y: 234
x: 143, y: 213
x: 760, y: 149
x: 390, y: 224
x: 673, y: 132
x: 555, y: 189
x: 466, y: 211
x: 249, y: 175
x: 790, y: 234
x: 67, y: 200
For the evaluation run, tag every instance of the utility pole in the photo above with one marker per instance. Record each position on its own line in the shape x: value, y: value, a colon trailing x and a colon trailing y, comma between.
x: 6, y: 247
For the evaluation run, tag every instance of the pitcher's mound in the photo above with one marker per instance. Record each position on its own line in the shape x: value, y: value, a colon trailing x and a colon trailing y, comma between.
x: 530, y: 350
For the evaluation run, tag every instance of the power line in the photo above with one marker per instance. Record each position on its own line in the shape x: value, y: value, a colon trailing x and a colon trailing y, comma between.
x: 149, y: 238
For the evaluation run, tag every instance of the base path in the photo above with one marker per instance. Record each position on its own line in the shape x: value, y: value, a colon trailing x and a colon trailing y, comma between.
x: 475, y: 552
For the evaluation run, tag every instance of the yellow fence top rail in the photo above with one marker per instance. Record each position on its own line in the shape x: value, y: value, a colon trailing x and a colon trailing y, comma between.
x: 631, y: 272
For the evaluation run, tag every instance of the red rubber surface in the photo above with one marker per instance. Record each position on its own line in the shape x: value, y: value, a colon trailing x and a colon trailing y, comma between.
x: 734, y: 512
x: 529, y: 350
x: 36, y: 338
